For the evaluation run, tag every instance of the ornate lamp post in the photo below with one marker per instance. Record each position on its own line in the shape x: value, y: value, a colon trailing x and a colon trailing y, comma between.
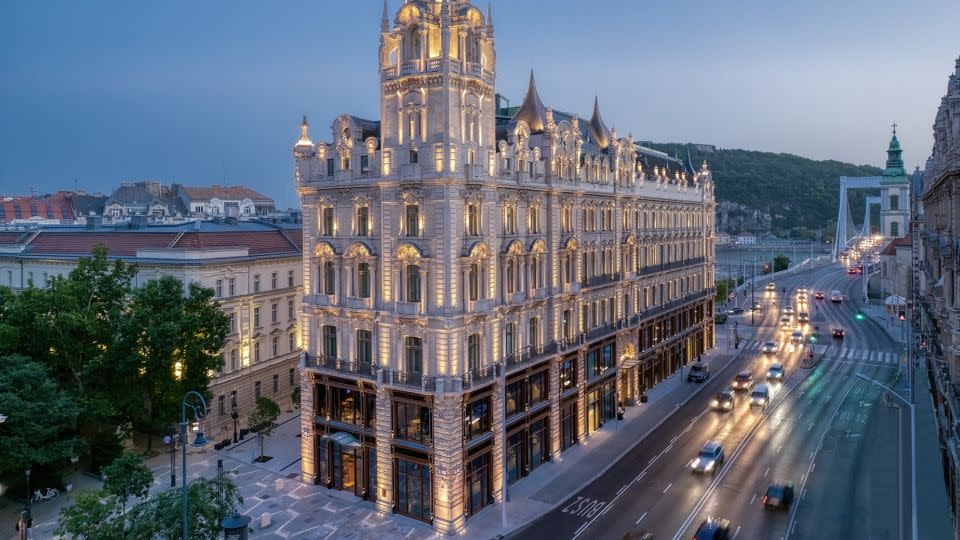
x: 234, y: 414
x: 199, y: 412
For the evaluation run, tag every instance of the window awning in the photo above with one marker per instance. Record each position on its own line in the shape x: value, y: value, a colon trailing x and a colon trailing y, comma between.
x: 343, y: 439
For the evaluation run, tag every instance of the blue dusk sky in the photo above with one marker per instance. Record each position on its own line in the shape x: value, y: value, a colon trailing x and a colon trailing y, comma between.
x: 100, y: 92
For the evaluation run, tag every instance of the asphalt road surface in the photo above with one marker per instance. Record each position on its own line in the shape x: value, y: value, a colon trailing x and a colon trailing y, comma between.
x: 841, y: 442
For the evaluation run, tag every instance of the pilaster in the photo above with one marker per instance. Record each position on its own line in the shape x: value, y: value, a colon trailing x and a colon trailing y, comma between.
x: 448, y: 463
x: 554, y: 385
x: 308, y: 462
x: 385, y: 499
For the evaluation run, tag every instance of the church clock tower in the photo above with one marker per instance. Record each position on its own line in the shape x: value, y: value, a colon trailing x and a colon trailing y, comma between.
x: 437, y: 75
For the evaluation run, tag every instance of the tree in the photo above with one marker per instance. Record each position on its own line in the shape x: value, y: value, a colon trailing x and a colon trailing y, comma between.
x: 781, y: 262
x: 263, y: 420
x: 160, y: 516
x: 92, y: 516
x: 168, y: 344
x: 39, y: 429
x: 722, y: 291
x: 125, y: 478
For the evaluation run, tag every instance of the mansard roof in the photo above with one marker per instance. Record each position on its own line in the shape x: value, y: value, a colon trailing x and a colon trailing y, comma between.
x: 532, y: 110
x: 368, y: 128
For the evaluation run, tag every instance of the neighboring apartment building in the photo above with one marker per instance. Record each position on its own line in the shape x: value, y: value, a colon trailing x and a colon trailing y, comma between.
x: 204, y: 202
x: 896, y: 274
x: 150, y: 200
x: 254, y: 269
x: 467, y: 274
x: 47, y: 209
x: 939, y: 261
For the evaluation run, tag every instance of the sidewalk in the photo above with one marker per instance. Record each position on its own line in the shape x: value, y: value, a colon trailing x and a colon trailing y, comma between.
x: 552, y: 483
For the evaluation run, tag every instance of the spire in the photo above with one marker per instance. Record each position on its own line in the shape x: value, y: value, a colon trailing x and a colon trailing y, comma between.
x: 532, y: 110
x: 304, y: 133
x: 598, y: 130
x: 894, y: 173
x: 384, y: 21
x: 490, y: 18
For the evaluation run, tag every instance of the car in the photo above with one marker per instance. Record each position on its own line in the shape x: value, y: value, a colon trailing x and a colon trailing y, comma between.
x: 713, y: 529
x: 788, y: 310
x: 638, y: 534
x: 786, y: 323
x: 709, y: 459
x: 725, y: 400
x: 735, y: 311
x: 836, y: 296
x: 775, y: 372
x: 819, y: 295
x: 802, y: 291
x: 796, y: 337
x: 760, y: 396
x: 838, y: 333
x: 771, y: 287
x: 770, y: 347
x: 699, y: 372
x: 852, y: 270
x: 743, y: 380
x: 803, y: 317
x: 779, y: 496
x: 756, y: 306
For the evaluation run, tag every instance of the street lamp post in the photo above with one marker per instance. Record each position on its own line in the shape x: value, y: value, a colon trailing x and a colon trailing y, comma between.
x: 234, y: 414
x: 913, y: 440
x: 171, y: 442
x: 198, y: 414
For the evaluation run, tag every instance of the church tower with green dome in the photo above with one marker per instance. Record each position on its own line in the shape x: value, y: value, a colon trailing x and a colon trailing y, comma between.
x: 894, y: 193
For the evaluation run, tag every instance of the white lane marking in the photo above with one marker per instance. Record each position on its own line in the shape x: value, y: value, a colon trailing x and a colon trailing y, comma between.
x: 737, y: 532
x: 667, y: 449
x: 668, y: 487
x: 752, y: 499
x: 624, y: 488
x: 673, y: 440
x: 641, y: 518
x: 804, y: 494
x: 779, y: 448
x: 766, y: 472
x: 639, y: 476
x: 582, y: 527
x: 814, y: 466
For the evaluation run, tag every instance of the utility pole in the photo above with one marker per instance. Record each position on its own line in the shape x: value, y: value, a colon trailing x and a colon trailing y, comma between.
x: 753, y: 282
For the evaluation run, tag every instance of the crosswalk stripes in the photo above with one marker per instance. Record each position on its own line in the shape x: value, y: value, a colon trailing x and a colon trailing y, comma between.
x: 835, y: 353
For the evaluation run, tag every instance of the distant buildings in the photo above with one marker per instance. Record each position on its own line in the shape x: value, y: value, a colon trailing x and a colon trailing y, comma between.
x: 145, y: 202
x: 255, y: 270
x: 938, y: 316
x: 724, y: 239
x: 746, y: 238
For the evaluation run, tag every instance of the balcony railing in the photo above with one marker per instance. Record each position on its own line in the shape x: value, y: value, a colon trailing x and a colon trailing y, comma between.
x: 408, y: 308
x: 319, y: 299
x: 530, y: 355
x: 603, y: 279
x: 475, y: 379
x: 366, y: 370
x: 412, y: 380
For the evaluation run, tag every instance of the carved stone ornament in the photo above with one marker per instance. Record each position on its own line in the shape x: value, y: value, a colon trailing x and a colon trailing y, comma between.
x: 410, y: 193
x: 411, y: 322
x: 472, y: 194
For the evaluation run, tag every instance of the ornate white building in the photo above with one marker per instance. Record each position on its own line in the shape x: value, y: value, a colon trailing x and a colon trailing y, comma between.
x: 479, y: 278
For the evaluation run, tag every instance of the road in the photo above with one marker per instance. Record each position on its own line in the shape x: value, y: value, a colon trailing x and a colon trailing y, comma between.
x: 827, y: 431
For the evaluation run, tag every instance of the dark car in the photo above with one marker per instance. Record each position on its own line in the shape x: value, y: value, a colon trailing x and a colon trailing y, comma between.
x: 838, y: 333
x: 779, y: 496
x: 699, y: 372
x: 713, y: 529
x: 756, y: 306
x: 638, y: 534
x: 819, y: 295
x: 735, y: 311
x: 743, y: 380
x: 724, y: 400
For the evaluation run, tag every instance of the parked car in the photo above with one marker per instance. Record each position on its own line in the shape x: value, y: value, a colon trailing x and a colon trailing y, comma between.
x: 699, y: 372
x: 735, y: 311
x: 779, y: 496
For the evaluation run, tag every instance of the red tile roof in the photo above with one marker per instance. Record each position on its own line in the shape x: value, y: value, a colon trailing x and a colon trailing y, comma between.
x: 891, y: 248
x: 49, y: 206
x: 259, y: 243
x: 121, y: 243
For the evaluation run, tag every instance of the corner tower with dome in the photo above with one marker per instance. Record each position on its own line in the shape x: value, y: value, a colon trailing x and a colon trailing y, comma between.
x: 483, y: 285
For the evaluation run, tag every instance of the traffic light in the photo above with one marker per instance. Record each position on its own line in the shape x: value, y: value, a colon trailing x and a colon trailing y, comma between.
x: 902, y: 315
x: 812, y: 338
x: 859, y: 316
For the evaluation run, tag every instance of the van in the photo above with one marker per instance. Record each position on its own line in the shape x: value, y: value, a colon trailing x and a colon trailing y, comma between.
x: 760, y: 395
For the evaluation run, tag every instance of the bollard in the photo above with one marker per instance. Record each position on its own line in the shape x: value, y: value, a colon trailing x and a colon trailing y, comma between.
x: 264, y: 520
x: 278, y: 484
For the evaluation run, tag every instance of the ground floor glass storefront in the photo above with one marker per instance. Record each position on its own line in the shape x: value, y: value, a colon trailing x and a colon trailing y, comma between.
x: 414, y: 486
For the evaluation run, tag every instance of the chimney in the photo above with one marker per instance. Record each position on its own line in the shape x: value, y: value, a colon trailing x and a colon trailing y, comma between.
x: 94, y: 221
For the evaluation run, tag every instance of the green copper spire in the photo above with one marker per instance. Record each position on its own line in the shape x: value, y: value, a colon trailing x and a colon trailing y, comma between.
x: 894, y: 173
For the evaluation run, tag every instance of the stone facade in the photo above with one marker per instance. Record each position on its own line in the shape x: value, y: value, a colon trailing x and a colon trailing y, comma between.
x: 938, y: 264
x: 483, y: 284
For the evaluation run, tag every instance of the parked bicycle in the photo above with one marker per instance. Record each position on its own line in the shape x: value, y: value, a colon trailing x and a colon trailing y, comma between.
x: 51, y: 493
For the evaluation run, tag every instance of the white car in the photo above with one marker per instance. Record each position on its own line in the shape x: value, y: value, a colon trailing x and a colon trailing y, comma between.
x: 788, y: 310
x: 796, y: 337
x: 770, y: 347
x: 775, y: 373
x: 709, y: 459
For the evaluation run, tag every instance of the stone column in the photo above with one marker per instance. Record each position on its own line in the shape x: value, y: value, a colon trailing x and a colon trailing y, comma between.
x: 385, y: 497
x: 308, y: 463
x: 498, y: 438
x: 448, y: 463
x: 554, y: 382
x: 581, y: 396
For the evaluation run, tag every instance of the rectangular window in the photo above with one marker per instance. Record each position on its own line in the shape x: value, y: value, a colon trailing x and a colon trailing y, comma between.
x: 292, y: 375
x: 256, y: 390
x: 232, y: 286
x: 274, y: 313
x: 413, y: 283
x: 364, y: 347
x: 533, y: 219
x: 232, y: 319
x: 274, y: 280
x: 414, y: 422
x: 538, y: 387
x: 275, y: 342
x: 292, y: 340
x: 476, y: 420
x: 413, y: 220
x: 414, y: 354
x: 233, y: 360
x: 256, y: 352
x: 289, y: 310
x: 364, y: 164
x: 473, y: 220
x: 329, y: 278
x: 534, y: 331
x: 256, y: 283
x: 276, y: 383
x: 219, y: 288
x: 894, y: 202
x: 362, y: 220
x: 290, y: 278
x: 363, y: 280
x: 474, y: 282
x: 256, y: 317
x: 330, y: 341
x: 568, y: 374
x: 221, y: 405
x: 414, y: 157
x: 515, y: 397
x: 330, y: 166
x: 473, y: 352
x: 327, y: 229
